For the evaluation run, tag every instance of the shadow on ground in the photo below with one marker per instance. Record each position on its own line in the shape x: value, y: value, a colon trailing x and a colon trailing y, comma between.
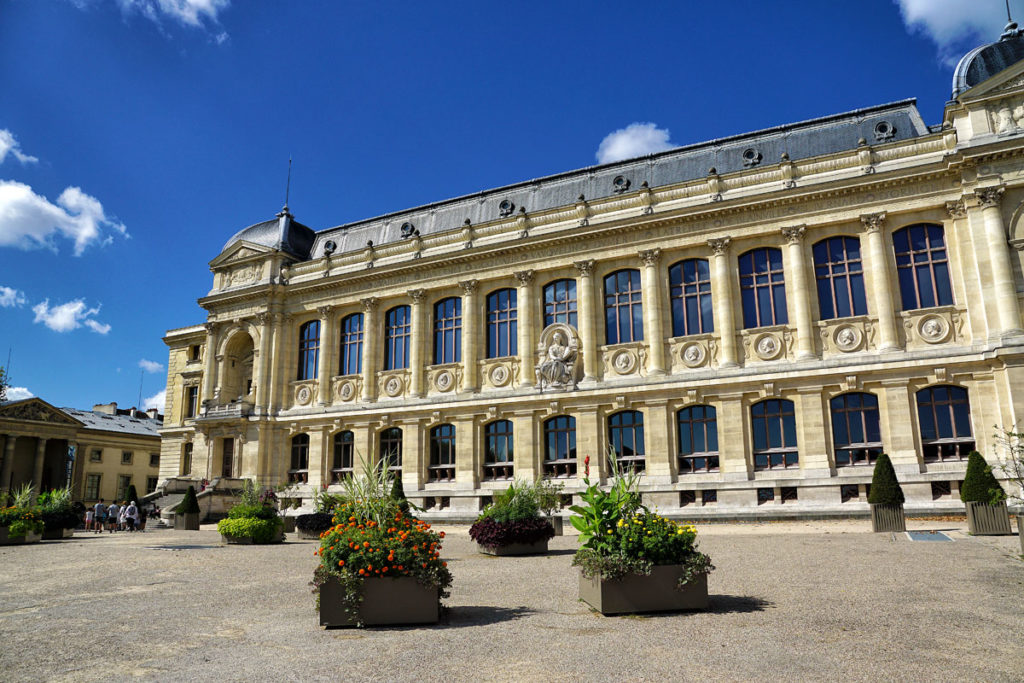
x: 729, y: 604
x: 481, y: 615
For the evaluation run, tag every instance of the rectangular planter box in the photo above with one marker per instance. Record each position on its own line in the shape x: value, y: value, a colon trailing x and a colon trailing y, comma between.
x: 988, y: 520
x: 538, y: 548
x: 309, y: 535
x: 246, y: 540
x: 57, y: 534
x: 888, y: 518
x: 386, y: 602
x: 638, y: 593
x: 18, y: 540
x: 556, y: 522
x: 289, y: 524
x: 186, y: 521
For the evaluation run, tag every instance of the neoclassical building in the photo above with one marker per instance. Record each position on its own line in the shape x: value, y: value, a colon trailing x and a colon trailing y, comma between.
x: 749, y: 322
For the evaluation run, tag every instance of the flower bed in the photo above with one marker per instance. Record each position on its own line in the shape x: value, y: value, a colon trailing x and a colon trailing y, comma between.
x: 254, y: 521
x: 512, y: 524
x: 22, y: 522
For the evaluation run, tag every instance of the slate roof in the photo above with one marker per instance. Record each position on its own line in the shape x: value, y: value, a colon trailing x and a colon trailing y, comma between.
x: 123, y: 424
x: 986, y: 61
x: 282, y: 233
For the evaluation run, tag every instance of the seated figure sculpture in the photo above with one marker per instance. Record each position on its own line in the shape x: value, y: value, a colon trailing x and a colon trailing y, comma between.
x: 558, y: 367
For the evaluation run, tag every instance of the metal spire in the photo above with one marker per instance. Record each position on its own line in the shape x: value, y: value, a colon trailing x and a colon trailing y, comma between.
x: 1010, y: 30
x: 288, y: 186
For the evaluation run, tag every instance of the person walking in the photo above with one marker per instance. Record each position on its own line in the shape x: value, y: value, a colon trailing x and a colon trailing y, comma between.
x: 99, y: 515
x: 112, y: 513
x: 88, y: 519
x: 131, y: 515
x: 121, y: 524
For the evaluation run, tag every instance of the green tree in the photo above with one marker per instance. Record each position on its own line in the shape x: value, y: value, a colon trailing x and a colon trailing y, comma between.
x: 980, y: 486
x: 885, y: 489
x: 189, y: 503
x: 132, y: 495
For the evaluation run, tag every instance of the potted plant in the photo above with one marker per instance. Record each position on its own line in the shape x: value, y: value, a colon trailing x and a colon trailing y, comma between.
x: 21, y: 522
x: 1013, y: 467
x: 57, y: 514
x: 632, y: 560
x: 186, y: 513
x: 378, y: 564
x: 512, y: 524
x: 886, y: 498
x: 549, y: 500
x: 984, y: 498
x: 254, y: 520
x: 311, y: 526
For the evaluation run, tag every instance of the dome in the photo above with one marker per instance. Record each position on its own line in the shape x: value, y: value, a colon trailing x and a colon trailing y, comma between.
x: 986, y: 61
x: 281, y: 233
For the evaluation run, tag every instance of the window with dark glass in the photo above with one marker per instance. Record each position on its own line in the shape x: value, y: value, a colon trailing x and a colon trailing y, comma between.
x: 154, y: 460
x: 123, y: 482
x: 309, y: 349
x: 855, y: 434
x: 352, y: 344
x: 560, y: 302
x: 560, y: 446
x: 698, y: 439
x: 762, y: 288
x: 623, y: 308
x: 944, y: 416
x: 92, y: 487
x: 442, y: 453
x: 151, y: 483
x: 626, y: 436
x: 774, y: 426
x: 186, y: 460
x: 344, y: 452
x: 391, y: 449
x: 191, y: 401
x: 448, y: 331
x: 690, y: 295
x: 501, y: 323
x: 299, y: 472
x: 922, y: 266
x: 397, y: 331
x: 498, y: 451
x: 840, y: 277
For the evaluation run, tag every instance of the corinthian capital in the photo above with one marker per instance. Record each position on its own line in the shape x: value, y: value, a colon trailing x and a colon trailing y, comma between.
x: 719, y: 245
x: 649, y: 257
x: 585, y: 268
x: 956, y: 209
x: 794, y: 233
x: 417, y: 295
x: 989, y: 196
x: 370, y: 304
x: 873, y: 221
x: 525, y: 277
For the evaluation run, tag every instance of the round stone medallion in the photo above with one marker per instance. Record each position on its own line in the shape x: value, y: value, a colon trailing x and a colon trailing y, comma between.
x: 933, y: 329
x: 303, y: 395
x: 624, y: 362
x: 693, y: 355
x: 347, y: 390
x: 848, y: 338
x: 393, y: 386
x: 767, y: 347
x: 444, y: 380
x: 500, y: 375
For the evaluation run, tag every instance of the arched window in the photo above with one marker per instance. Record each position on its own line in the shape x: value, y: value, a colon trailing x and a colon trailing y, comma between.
x: 698, y: 439
x: 774, y: 425
x: 560, y: 302
x: 299, y: 472
x: 944, y: 415
x: 855, y: 433
x: 690, y: 295
x: 623, y: 310
x: 501, y: 323
x: 560, y: 446
x: 840, y: 277
x: 391, y: 449
x: 922, y: 265
x: 352, y: 344
x: 309, y: 349
x: 442, y: 453
x: 397, y: 330
x: 626, y: 436
x: 344, y: 456
x: 448, y: 331
x: 498, y: 450
x: 763, y: 288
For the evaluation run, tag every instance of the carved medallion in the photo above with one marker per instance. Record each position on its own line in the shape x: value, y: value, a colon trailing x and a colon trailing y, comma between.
x: 347, y: 391
x: 444, y: 380
x: 500, y: 375
x: 303, y: 395
x: 624, y: 361
x: 393, y: 386
x: 848, y: 338
x: 693, y: 355
x: 767, y: 347
x: 934, y: 329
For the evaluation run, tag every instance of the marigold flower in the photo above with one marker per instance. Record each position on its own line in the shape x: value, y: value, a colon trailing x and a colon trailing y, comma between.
x: 341, y: 563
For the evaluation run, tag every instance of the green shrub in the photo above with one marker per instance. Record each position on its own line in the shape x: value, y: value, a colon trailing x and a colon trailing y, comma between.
x: 252, y: 512
x: 259, y: 530
x: 980, y: 486
x: 188, y: 504
x: 885, y: 489
x: 132, y: 495
x: 398, y: 494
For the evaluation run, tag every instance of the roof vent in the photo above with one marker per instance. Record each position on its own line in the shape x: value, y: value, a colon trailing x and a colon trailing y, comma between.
x: 409, y: 230
x: 751, y: 157
x: 330, y: 246
x: 620, y: 184
x: 884, y: 131
x: 505, y: 208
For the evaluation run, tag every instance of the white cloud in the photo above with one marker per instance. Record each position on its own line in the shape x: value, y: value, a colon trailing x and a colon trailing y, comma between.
x: 151, y: 366
x: 11, y: 297
x: 8, y: 145
x: 635, y: 140
x: 157, y: 400
x: 69, y: 316
x: 18, y: 393
x: 28, y: 220
x: 955, y: 26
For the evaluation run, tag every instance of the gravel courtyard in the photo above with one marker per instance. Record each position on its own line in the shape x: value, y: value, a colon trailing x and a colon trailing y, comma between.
x: 789, y: 601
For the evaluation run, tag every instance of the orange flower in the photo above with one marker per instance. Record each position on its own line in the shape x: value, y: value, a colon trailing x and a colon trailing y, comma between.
x: 341, y: 563
x: 424, y: 565
x: 366, y: 544
x: 444, y: 564
x: 362, y: 572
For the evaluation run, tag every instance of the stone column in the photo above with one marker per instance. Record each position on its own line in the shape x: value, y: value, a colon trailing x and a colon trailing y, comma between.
x: 881, y: 281
x: 372, y: 340
x: 526, y: 337
x: 587, y: 316
x: 78, y: 470
x: 470, y: 336
x: 999, y: 255
x: 5, y: 472
x: 37, y: 468
x: 417, y: 343
x: 654, y: 320
x: 721, y: 286
x: 657, y: 442
x: 797, y: 276
x: 261, y: 370
x: 278, y: 376
x: 325, y: 367
x: 209, y: 354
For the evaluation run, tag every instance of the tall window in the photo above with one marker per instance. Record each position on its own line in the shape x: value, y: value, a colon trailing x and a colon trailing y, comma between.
x: 855, y: 433
x: 442, y: 453
x: 309, y: 349
x: 299, y: 471
x: 191, y: 401
x: 344, y: 452
x: 352, y: 344
x: 391, y: 449
x: 92, y: 487
x: 944, y: 414
x: 501, y: 323
x: 623, y: 310
x: 498, y: 450
x: 123, y: 482
x: 560, y: 302
x: 560, y: 446
x: 922, y: 265
x: 690, y: 295
x: 763, y: 288
x: 774, y: 424
x: 397, y: 331
x: 840, y: 276
x: 698, y: 439
x: 151, y: 483
x: 626, y: 436
x: 186, y: 460
x: 448, y: 331
x: 227, y: 458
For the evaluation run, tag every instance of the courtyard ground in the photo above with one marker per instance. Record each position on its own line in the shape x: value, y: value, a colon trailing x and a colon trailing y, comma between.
x: 790, y: 601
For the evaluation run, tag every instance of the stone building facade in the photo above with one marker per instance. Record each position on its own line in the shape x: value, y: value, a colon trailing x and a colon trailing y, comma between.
x: 748, y: 321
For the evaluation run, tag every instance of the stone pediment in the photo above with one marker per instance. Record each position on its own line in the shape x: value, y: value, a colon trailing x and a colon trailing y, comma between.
x: 239, y: 252
x: 1007, y: 82
x: 37, y: 410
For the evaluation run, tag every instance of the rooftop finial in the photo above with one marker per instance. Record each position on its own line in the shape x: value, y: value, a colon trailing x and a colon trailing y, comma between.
x: 1010, y: 30
x: 288, y: 185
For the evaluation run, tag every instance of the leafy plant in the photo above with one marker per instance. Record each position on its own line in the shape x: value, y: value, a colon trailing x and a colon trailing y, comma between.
x: 261, y: 530
x: 314, y: 523
x: 602, y: 510
x: 398, y: 494
x: 494, y: 534
x: 22, y: 496
x: 189, y: 504
x: 979, y: 485
x: 252, y: 511
x: 549, y: 495
x: 885, y: 489
x: 55, y: 509
x: 369, y: 496
x: 323, y: 501
x: 1012, y: 465
x: 132, y: 495
x: 20, y: 520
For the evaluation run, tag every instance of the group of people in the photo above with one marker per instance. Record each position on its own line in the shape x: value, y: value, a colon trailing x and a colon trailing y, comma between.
x: 124, y: 517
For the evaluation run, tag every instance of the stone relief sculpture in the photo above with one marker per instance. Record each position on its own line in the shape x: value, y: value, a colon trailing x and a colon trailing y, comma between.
x: 559, y: 350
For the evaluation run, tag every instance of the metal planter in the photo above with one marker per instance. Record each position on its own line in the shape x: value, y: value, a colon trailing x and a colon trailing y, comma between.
x: 186, y: 521
x: 985, y: 519
x: 30, y: 537
x: 656, y: 592
x: 888, y: 518
x: 386, y: 602
x: 535, y: 548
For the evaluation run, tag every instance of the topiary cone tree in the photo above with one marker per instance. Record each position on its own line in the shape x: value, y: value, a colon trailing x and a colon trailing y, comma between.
x: 886, y: 498
x: 984, y: 498
x: 187, y: 512
x: 132, y: 495
x: 398, y: 494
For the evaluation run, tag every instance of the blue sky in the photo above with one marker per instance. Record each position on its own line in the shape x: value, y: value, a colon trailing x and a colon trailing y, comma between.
x: 136, y: 136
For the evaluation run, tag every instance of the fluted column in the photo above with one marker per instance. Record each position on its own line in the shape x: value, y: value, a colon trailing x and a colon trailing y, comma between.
x: 470, y: 336
x: 5, y: 472
x: 262, y: 379
x: 588, y: 320
x: 524, y: 327
x: 209, y: 354
x: 881, y: 281
x: 372, y: 341
x: 801, y: 291
x: 418, y: 342
x: 654, y: 321
x: 721, y: 285
x: 327, y: 353
x: 999, y: 257
x: 37, y: 466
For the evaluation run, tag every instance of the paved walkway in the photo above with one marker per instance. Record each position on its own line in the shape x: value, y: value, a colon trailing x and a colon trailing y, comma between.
x: 790, y: 601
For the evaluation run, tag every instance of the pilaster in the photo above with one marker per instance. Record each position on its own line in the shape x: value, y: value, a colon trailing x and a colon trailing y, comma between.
x: 812, y: 432
x: 467, y: 467
x: 470, y: 336
x: 10, y: 440
x: 372, y: 346
x: 879, y: 271
x: 525, y: 329
x: 721, y: 288
x: 417, y: 342
x: 1003, y: 284
x: 325, y: 368
x: 899, y: 425
x: 209, y: 355
x: 654, y: 319
x: 37, y: 468
x: 733, y: 439
x: 588, y: 320
x: 801, y: 299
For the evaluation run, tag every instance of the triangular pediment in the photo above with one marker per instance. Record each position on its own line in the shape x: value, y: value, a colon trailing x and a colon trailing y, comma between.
x: 1009, y: 81
x: 239, y: 252
x: 37, y: 410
